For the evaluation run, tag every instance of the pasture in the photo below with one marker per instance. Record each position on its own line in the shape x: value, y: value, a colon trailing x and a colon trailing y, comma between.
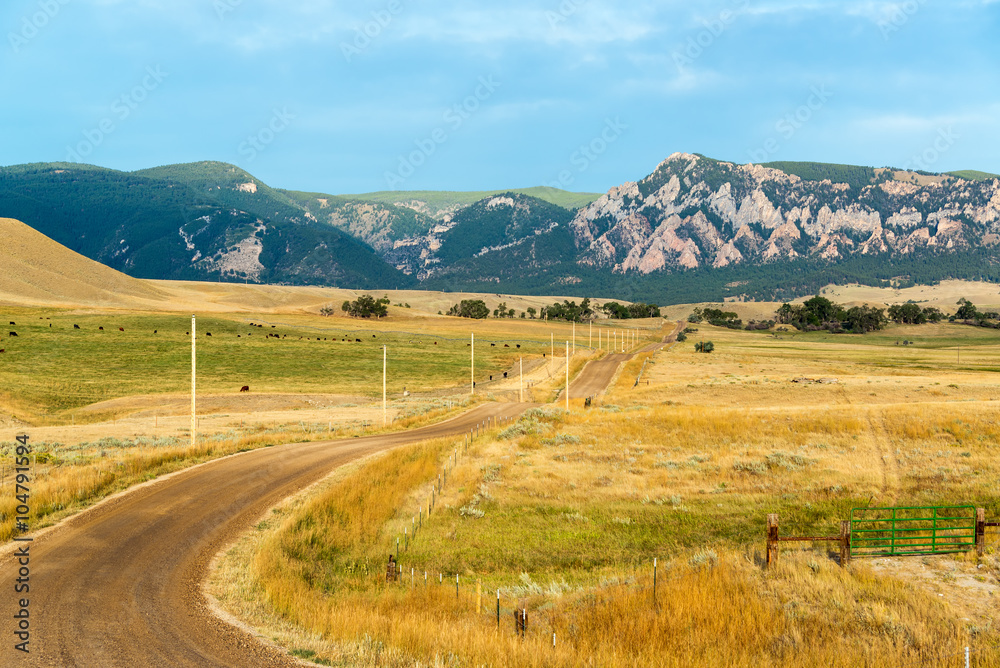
x: 564, y: 513
x: 105, y: 394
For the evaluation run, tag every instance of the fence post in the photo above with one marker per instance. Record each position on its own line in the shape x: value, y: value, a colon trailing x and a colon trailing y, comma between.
x: 772, y: 538
x: 479, y: 597
x: 498, y: 609
x: 980, y: 531
x: 845, y: 542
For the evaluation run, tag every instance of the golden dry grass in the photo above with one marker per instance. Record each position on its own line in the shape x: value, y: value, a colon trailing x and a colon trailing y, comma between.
x: 575, y: 507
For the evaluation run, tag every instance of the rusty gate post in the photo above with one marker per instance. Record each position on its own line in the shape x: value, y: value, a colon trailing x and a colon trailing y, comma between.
x: 980, y: 531
x: 772, y: 538
x: 845, y: 542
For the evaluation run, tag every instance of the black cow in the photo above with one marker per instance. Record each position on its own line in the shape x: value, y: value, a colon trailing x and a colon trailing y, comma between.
x: 12, y: 322
x: 208, y: 333
x: 76, y: 326
x: 519, y: 345
x: 357, y: 340
x: 13, y: 334
x: 493, y: 345
x: 154, y: 331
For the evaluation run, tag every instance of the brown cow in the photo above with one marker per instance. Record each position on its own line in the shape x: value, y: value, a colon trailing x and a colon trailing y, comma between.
x: 245, y: 388
x: 2, y: 350
x: 121, y: 329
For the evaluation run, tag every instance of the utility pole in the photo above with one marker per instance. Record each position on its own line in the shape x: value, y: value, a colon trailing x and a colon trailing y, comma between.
x: 385, y: 410
x: 473, y: 366
x: 194, y: 419
x: 567, y: 376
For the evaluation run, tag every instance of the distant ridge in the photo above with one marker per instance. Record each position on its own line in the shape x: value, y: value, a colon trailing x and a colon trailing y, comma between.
x: 439, y: 203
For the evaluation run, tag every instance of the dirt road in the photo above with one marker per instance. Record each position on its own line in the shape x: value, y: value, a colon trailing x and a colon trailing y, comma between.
x: 119, y: 585
x: 597, y: 375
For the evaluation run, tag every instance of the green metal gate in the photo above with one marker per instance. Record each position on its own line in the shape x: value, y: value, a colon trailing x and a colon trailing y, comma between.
x: 884, y: 532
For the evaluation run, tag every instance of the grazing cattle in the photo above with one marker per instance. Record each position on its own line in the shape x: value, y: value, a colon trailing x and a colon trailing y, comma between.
x: 2, y: 350
x: 50, y: 324
x: 76, y: 326
x: 121, y: 329
x: 245, y: 388
x: 208, y: 333
x: 491, y: 377
x: 504, y: 374
x: 238, y: 336
x: 506, y: 346
x: 373, y: 336
x: 12, y: 322
x: 272, y: 326
x: 435, y: 343
x: 357, y: 340
x: 493, y: 345
x: 519, y: 345
x: 13, y: 334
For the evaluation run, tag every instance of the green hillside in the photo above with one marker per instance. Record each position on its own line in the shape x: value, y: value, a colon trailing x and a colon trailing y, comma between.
x: 440, y: 202
x: 973, y: 175
x: 187, y: 222
x: 854, y: 176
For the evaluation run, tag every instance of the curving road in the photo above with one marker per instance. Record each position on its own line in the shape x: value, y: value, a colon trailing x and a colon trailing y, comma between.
x: 119, y: 585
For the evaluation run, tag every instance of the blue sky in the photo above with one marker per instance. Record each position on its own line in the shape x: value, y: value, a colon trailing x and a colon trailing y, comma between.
x: 353, y: 97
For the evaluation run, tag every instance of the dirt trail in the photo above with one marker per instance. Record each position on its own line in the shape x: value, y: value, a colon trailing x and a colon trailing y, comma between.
x: 119, y: 585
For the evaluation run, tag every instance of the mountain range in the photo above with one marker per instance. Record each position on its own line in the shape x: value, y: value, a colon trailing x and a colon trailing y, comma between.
x: 695, y: 229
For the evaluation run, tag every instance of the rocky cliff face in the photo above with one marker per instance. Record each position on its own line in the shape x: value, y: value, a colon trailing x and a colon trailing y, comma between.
x: 697, y: 212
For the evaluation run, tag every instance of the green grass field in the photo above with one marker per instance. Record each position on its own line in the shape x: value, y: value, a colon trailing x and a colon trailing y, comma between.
x: 50, y: 370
